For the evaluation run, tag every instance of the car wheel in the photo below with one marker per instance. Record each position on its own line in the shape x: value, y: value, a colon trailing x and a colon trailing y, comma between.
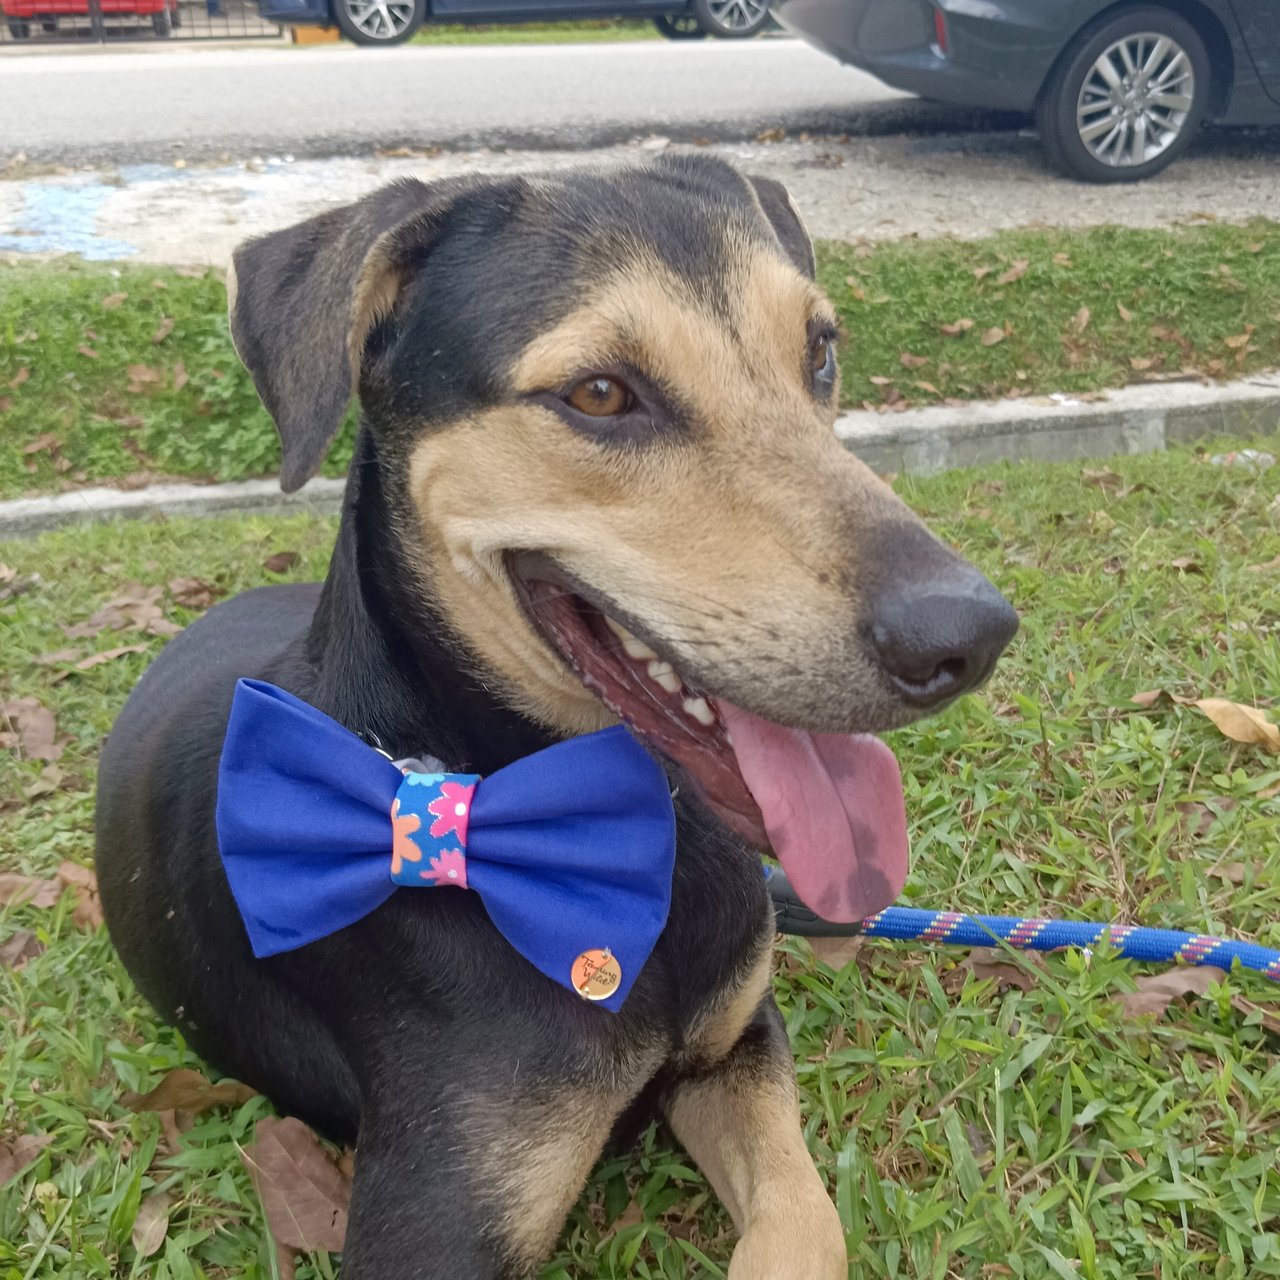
x: 681, y: 26
x: 160, y: 23
x: 175, y: 17
x: 731, y: 19
x: 379, y: 22
x: 19, y: 30
x: 1126, y: 98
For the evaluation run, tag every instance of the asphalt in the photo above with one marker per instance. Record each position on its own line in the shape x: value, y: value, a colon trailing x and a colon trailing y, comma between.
x: 108, y: 107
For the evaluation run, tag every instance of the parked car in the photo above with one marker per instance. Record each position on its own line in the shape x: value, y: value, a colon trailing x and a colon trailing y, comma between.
x: 22, y: 14
x: 1118, y: 90
x: 384, y: 22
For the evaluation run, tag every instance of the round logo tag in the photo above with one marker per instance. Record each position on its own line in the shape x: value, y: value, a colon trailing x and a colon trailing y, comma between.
x: 596, y: 974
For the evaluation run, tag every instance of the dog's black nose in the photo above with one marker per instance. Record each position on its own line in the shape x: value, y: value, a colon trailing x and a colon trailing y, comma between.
x: 940, y: 637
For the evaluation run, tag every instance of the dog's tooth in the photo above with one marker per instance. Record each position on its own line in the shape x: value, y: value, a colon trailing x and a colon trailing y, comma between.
x: 700, y: 711
x: 664, y: 675
x: 634, y: 647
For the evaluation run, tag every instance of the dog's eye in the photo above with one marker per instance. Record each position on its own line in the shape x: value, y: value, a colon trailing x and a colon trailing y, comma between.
x: 822, y: 365
x: 600, y: 397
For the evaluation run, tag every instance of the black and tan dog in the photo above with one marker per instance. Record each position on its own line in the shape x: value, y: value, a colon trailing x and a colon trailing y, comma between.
x: 596, y: 478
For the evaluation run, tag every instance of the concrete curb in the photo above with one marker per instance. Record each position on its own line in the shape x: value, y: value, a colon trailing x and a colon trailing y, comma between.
x: 1138, y: 419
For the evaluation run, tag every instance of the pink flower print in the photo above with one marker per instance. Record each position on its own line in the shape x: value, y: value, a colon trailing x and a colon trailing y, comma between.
x: 447, y: 868
x: 452, y: 810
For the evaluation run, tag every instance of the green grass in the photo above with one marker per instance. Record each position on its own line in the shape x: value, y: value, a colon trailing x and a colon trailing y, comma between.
x: 964, y: 1135
x: 1203, y: 298
x: 603, y: 31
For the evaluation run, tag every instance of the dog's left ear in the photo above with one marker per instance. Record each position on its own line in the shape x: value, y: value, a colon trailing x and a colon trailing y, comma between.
x: 783, y: 216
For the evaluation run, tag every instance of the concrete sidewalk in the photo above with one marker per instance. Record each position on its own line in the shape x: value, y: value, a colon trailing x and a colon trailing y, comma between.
x: 1138, y: 419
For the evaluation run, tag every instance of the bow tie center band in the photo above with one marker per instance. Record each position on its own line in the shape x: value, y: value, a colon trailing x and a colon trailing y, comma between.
x: 571, y: 849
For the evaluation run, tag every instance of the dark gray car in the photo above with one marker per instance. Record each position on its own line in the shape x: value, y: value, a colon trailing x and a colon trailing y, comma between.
x: 1118, y: 90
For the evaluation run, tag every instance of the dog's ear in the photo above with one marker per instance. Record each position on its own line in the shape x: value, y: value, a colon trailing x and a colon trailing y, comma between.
x: 780, y: 209
x: 303, y: 300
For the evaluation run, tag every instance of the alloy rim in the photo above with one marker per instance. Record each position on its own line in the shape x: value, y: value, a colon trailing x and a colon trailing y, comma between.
x: 380, y: 19
x: 738, y: 15
x: 1135, y: 99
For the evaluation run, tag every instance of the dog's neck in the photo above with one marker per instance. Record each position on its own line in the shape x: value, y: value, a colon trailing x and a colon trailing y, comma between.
x: 386, y: 667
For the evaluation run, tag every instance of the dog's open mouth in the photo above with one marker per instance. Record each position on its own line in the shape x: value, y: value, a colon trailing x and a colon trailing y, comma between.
x: 830, y: 806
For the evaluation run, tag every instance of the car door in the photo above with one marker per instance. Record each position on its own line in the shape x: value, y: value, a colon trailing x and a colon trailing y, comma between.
x: 1260, y: 25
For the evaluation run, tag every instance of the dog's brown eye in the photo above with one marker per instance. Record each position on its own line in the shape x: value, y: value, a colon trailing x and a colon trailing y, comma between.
x: 820, y: 354
x: 600, y: 398
x: 822, y: 365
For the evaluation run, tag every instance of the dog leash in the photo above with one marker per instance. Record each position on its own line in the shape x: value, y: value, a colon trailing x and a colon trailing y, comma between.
x: 1034, y: 933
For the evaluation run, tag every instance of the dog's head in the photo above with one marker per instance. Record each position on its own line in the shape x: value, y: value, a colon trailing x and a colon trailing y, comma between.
x: 601, y: 407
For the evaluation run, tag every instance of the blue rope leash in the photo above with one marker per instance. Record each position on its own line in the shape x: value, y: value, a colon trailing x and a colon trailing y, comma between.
x: 910, y: 924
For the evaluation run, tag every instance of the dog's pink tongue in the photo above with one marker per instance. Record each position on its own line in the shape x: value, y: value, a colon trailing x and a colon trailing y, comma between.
x: 833, y: 809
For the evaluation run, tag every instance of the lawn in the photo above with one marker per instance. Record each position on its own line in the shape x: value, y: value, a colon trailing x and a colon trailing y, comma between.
x: 977, y: 1127
x: 120, y: 374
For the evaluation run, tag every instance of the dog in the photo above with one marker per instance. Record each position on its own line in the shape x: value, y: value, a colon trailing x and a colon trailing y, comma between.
x: 596, y: 481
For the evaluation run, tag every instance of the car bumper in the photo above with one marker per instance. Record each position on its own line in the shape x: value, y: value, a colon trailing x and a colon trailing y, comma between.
x: 997, y: 52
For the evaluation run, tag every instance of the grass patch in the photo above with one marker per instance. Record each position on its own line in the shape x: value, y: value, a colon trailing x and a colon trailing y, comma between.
x: 1042, y: 311
x: 603, y: 31
x: 964, y: 1135
x: 1204, y: 298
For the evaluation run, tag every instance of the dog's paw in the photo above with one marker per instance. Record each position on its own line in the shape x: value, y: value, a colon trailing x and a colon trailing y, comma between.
x: 809, y: 1246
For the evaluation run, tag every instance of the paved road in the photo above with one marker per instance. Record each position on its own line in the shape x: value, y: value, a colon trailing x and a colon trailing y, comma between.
x: 119, y: 107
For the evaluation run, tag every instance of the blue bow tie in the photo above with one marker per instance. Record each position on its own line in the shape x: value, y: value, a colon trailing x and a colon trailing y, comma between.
x: 570, y: 849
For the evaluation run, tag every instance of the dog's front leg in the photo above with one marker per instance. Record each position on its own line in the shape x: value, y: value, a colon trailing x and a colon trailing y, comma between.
x: 471, y: 1186
x: 740, y: 1121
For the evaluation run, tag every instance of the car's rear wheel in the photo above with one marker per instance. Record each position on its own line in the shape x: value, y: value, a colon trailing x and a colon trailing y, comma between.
x: 18, y: 29
x: 679, y: 26
x: 1126, y: 98
x: 731, y: 19
x: 161, y: 23
x: 379, y: 22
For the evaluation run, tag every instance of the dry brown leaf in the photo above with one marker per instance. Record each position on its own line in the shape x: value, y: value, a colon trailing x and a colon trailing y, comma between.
x: 305, y: 1196
x: 771, y: 135
x: 163, y: 330
x: 19, y: 890
x: 22, y: 1151
x: 87, y: 913
x: 1157, y: 991
x: 1143, y: 362
x: 283, y: 560
x: 992, y: 337
x: 33, y: 729
x: 1263, y: 568
x: 88, y: 352
x: 1267, y: 1018
x: 879, y: 380
x: 1015, y: 272
x: 1080, y: 321
x: 136, y: 608
x: 180, y: 378
x: 1125, y: 314
x: 186, y: 1090
x: 1103, y: 478
x: 979, y: 272
x: 956, y: 327
x: 910, y: 361
x: 18, y: 949
x: 45, y: 442
x: 836, y: 952
x: 108, y: 655
x: 151, y: 1224
x: 194, y: 593
x: 1186, y: 564
x: 1241, y: 723
x: 113, y: 300
x: 1236, y: 341
x: 24, y: 372
x: 1232, y: 872
x: 1062, y: 260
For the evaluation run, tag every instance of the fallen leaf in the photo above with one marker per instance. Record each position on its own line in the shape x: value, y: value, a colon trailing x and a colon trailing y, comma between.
x: 1143, y: 362
x: 151, y: 1224
x: 180, y: 378
x: 1062, y: 260
x: 1266, y: 1018
x: 282, y: 560
x: 19, y: 890
x: 1186, y: 564
x: 979, y: 272
x: 929, y: 387
x: 910, y: 361
x: 1263, y: 568
x: 18, y: 949
x: 87, y: 913
x: 1241, y: 723
x: 1149, y: 697
x: 186, y: 1090
x: 193, y: 593
x: 771, y: 135
x: 46, y: 442
x: 1236, y: 341
x: 24, y: 372
x: 6, y: 403
x: 60, y: 655
x: 956, y: 327
x: 113, y: 300
x: 163, y: 330
x: 878, y: 380
x: 1157, y: 991
x: 23, y: 1151
x: 1231, y: 872
x: 1125, y: 314
x: 305, y: 1195
x: 1103, y: 478
x: 108, y: 655
x: 836, y: 952
x: 1080, y: 321
x: 137, y: 608
x: 1015, y: 272
x: 992, y: 337
x: 34, y: 729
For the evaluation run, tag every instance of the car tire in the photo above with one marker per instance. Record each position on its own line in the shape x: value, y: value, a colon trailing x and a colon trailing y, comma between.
x: 175, y: 17
x: 161, y: 24
x: 731, y: 19
x: 680, y: 26
x: 1098, y: 114
x: 19, y: 30
x: 379, y: 22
